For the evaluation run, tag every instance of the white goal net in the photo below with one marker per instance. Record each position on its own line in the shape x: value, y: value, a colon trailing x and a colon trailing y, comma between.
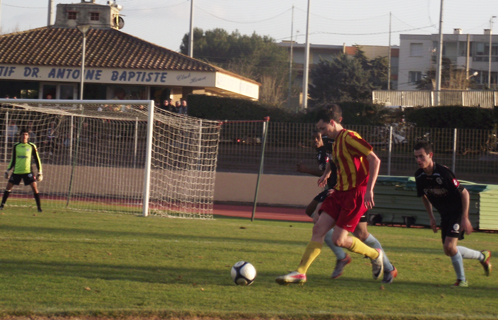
x: 110, y: 155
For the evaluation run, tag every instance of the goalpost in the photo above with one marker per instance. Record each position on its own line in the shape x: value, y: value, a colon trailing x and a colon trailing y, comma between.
x: 115, y: 155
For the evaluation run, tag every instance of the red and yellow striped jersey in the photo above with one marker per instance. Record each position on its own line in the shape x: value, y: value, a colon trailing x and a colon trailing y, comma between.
x: 350, y: 153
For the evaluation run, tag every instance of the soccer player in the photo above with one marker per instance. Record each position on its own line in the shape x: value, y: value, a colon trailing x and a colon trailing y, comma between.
x: 439, y: 188
x: 357, y: 171
x: 324, y: 150
x: 22, y: 154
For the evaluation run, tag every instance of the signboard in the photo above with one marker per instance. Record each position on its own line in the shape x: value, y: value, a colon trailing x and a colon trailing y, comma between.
x: 131, y: 77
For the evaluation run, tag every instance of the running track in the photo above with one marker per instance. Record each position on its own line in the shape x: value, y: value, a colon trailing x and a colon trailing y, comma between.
x: 262, y: 212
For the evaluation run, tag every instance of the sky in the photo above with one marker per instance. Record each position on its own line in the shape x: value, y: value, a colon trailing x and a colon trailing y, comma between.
x: 361, y: 22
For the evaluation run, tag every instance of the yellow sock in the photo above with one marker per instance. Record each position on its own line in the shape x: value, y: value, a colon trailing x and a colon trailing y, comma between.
x: 312, y: 251
x: 361, y: 248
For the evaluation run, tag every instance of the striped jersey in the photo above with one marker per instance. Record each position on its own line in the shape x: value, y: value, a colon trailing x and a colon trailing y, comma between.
x: 350, y: 153
x: 22, y: 155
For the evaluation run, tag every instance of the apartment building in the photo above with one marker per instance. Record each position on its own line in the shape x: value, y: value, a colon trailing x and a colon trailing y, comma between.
x: 469, y: 52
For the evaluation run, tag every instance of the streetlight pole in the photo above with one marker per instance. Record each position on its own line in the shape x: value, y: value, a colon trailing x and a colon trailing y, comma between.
x: 439, y: 55
x: 83, y: 29
x: 490, y: 49
x: 289, y: 96
x: 306, y: 60
x: 191, y: 32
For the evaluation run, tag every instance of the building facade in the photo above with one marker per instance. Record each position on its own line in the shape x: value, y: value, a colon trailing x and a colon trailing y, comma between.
x: 47, y: 62
x: 469, y: 52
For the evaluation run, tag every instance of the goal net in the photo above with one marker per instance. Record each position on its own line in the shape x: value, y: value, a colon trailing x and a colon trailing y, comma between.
x: 111, y: 155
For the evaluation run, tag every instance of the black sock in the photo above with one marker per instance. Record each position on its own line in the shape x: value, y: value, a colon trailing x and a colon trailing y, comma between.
x: 37, y: 198
x: 6, y: 194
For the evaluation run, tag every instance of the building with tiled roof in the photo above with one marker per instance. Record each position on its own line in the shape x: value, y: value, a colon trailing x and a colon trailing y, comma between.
x: 48, y: 61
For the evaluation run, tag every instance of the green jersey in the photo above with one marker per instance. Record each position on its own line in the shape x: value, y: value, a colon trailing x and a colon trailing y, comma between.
x: 22, y: 155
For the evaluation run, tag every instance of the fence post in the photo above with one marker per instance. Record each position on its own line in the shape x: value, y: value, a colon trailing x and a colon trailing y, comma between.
x: 6, y: 136
x: 390, y: 150
x: 455, y: 131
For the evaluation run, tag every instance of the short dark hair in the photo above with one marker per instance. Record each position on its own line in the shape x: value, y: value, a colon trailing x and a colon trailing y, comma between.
x: 423, y: 145
x: 330, y: 112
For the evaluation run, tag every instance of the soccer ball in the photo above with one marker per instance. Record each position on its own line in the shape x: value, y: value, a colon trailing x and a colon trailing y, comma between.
x: 243, y: 273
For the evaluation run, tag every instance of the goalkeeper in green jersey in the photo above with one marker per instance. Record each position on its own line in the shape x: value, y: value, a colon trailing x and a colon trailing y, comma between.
x: 23, y: 153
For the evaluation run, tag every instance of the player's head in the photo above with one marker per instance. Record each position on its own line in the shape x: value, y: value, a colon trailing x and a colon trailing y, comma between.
x: 423, y: 154
x: 24, y: 135
x: 317, y: 139
x: 328, y: 119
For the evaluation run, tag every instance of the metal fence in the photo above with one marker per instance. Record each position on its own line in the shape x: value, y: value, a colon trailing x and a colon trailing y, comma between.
x: 424, y: 98
x: 471, y: 154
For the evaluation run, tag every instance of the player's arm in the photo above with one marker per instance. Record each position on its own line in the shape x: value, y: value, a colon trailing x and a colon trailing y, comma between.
x: 12, y: 162
x: 322, y: 181
x: 36, y: 156
x: 466, y: 225
x: 304, y: 169
x: 373, y: 170
x: 428, y: 208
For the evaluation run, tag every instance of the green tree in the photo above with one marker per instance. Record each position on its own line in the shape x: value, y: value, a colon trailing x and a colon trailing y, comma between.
x: 340, y: 79
x: 255, y: 57
x: 348, y: 78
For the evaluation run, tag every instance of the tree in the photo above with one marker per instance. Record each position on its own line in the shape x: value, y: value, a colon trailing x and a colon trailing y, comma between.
x: 340, y: 79
x: 348, y: 78
x: 255, y: 57
x: 452, y: 78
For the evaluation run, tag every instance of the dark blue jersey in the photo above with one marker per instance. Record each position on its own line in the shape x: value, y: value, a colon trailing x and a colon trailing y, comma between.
x: 323, y: 157
x: 441, y: 188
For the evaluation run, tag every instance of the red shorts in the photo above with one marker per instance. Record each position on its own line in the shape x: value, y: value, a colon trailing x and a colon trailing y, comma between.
x: 345, y: 207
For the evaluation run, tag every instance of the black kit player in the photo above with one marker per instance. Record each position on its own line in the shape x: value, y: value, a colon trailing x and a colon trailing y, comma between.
x: 439, y: 188
x: 23, y: 153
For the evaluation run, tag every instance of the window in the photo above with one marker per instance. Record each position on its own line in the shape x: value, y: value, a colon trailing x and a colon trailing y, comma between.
x: 479, y: 48
x: 416, y: 50
x: 414, y: 76
x: 94, y: 16
x: 71, y: 15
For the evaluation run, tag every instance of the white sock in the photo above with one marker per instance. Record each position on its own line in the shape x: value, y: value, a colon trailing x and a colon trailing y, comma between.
x: 372, y: 242
x: 470, y: 254
x: 339, y: 252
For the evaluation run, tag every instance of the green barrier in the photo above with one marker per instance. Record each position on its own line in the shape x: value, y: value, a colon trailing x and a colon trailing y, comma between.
x: 396, y: 203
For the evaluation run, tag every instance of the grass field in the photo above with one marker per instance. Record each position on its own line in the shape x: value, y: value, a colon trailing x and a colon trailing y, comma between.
x: 87, y: 265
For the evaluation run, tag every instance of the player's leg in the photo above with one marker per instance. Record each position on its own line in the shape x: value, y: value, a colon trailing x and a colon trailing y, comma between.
x: 36, y: 195
x: 6, y: 193
x: 450, y: 249
x: 361, y: 232
x: 351, y: 208
x: 483, y: 256
x: 450, y: 234
x: 338, y: 252
x: 312, y: 207
x: 313, y: 249
x: 342, y: 258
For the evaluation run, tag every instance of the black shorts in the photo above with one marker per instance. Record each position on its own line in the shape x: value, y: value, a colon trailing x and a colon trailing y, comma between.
x: 28, y: 178
x: 322, y: 195
x: 451, y: 226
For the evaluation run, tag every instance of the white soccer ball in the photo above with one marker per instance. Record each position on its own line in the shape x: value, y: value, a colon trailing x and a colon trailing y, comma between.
x: 243, y: 273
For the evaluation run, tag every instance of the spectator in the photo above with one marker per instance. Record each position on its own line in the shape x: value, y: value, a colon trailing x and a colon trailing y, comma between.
x: 166, y: 106
x: 32, y: 135
x: 177, y: 107
x: 183, y: 107
x: 51, y: 138
x: 12, y: 131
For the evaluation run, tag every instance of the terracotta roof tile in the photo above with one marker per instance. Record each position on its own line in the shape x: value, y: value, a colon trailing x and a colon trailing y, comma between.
x: 105, y: 48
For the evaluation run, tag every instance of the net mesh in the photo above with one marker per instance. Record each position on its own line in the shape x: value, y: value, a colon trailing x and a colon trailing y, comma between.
x: 94, y: 157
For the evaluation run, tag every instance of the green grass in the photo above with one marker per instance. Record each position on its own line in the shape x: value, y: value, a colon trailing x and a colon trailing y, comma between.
x: 115, y: 265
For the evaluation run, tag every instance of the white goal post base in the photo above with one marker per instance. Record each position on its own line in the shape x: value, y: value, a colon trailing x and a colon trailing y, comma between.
x: 110, y: 155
